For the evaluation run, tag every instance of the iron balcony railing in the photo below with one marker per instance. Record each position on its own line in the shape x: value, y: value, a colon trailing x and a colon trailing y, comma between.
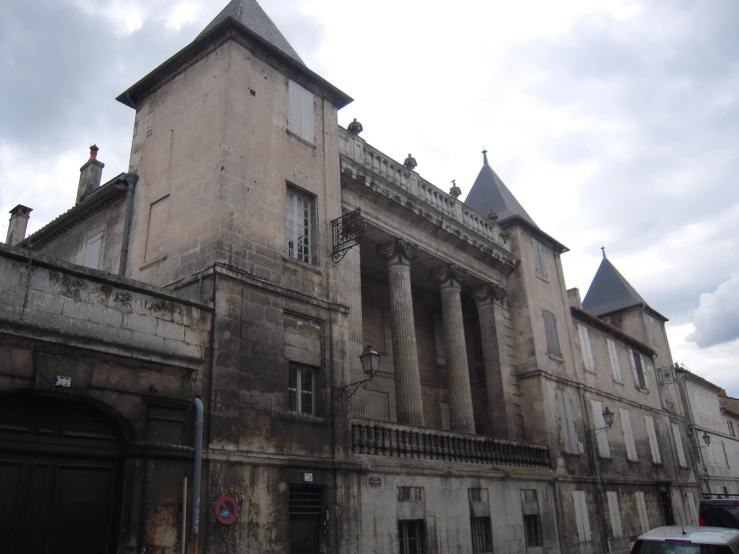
x: 379, y: 438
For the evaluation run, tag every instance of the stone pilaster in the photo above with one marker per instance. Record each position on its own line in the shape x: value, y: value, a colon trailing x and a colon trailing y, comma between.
x: 450, y: 279
x: 398, y: 254
x: 485, y: 297
x: 356, y: 345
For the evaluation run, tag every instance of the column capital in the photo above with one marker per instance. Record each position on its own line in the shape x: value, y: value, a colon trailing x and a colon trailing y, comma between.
x: 398, y: 250
x: 450, y: 274
x: 488, y: 293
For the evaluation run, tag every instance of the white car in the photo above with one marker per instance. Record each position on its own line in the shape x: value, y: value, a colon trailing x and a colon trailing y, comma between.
x: 679, y: 539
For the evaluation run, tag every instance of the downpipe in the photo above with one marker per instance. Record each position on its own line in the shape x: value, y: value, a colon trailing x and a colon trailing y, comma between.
x: 131, y: 179
x: 196, y: 473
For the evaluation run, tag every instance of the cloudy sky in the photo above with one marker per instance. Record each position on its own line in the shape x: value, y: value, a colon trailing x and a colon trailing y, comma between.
x: 613, y: 122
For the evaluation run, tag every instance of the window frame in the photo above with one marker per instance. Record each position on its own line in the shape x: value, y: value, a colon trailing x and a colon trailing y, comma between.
x: 532, y: 530
x: 640, y: 378
x: 419, y: 527
x: 296, y: 392
x: 294, y: 195
x: 482, y: 535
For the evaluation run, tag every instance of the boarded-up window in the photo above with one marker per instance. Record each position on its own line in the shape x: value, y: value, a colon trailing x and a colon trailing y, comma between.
x: 587, y: 353
x: 300, y: 115
x: 581, y: 516
x: 637, y: 367
x: 615, y: 366
x: 541, y: 269
x: 679, y: 445
x: 628, y: 435
x: 653, y: 444
x: 550, y: 326
x: 92, y: 251
x: 641, y: 507
x: 157, y: 229
x: 615, y: 513
x: 566, y: 421
x: 601, y: 437
x: 439, y: 340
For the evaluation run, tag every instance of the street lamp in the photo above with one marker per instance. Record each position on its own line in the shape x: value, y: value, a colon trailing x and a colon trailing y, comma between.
x: 370, y: 360
x: 706, y: 438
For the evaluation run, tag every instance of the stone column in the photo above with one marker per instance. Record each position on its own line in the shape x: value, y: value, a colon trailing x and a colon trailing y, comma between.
x: 450, y: 279
x: 408, y: 398
x: 485, y: 297
x: 355, y: 347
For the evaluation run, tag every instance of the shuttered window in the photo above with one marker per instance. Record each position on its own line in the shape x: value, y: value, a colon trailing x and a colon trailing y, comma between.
x: 300, y: 114
x: 615, y: 366
x: 541, y: 269
x: 637, y: 367
x: 92, y: 251
x: 628, y: 435
x: 581, y: 516
x: 566, y: 422
x: 679, y: 445
x: 601, y: 437
x: 653, y: 444
x: 614, y: 513
x: 587, y: 353
x: 550, y: 326
x: 641, y: 507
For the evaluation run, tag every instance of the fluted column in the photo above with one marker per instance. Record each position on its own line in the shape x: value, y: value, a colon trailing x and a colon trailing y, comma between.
x: 409, y: 403
x: 485, y: 297
x: 450, y: 279
x: 355, y: 347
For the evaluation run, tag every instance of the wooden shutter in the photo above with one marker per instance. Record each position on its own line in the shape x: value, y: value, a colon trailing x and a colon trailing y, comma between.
x: 641, y: 507
x: 581, y: 516
x: 300, y: 111
x: 615, y: 367
x: 587, y: 353
x: 596, y: 408
x: 615, y: 513
x: 567, y: 424
x: 92, y: 252
x: 539, y: 257
x: 653, y: 444
x: 550, y: 326
x: 679, y: 445
x: 628, y: 435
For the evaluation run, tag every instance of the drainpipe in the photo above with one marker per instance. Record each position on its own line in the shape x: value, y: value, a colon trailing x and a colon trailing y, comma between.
x: 131, y: 179
x: 196, y: 470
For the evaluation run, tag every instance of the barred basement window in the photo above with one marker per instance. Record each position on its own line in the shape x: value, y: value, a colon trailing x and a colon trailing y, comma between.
x: 411, y: 536
x: 301, y: 387
x: 300, y: 225
x: 482, y: 538
x: 532, y: 528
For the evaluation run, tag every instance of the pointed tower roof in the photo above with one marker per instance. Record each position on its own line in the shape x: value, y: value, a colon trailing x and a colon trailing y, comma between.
x: 253, y: 17
x: 490, y: 193
x: 610, y: 292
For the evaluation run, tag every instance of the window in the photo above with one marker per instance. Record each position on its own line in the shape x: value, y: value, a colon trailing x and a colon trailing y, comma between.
x: 587, y: 353
x: 301, y: 386
x: 601, y: 436
x: 541, y: 271
x: 615, y: 367
x: 92, y: 251
x: 482, y: 538
x: 446, y: 420
x: 439, y: 340
x: 550, y: 326
x: 628, y: 435
x: 566, y: 422
x: 300, y: 115
x: 156, y: 231
x: 637, y: 366
x: 299, y: 225
x: 641, y: 507
x: 411, y: 536
x: 653, y: 444
x: 679, y: 445
x: 732, y: 431
x: 615, y: 513
x: 531, y: 523
x: 581, y: 516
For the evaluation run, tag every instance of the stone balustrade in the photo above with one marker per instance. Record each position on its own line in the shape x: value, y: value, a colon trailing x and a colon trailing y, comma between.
x: 366, y: 164
x: 379, y: 438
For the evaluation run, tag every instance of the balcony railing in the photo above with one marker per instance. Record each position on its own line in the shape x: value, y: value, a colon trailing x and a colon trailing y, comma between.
x: 378, y: 438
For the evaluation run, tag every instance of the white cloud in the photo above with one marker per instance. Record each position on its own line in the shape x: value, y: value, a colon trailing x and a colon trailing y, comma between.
x: 716, y: 320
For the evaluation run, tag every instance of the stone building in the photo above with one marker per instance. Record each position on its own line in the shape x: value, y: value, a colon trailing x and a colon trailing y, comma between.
x: 243, y: 263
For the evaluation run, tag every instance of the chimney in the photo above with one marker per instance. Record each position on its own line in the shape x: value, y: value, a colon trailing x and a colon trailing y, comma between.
x: 573, y: 295
x: 18, y: 224
x: 90, y: 174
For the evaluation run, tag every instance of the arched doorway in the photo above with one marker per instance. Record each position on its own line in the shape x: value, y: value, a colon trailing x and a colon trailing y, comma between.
x: 60, y: 468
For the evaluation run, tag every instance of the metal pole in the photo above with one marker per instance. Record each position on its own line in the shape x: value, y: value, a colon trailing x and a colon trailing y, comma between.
x: 184, y: 515
x: 197, y: 468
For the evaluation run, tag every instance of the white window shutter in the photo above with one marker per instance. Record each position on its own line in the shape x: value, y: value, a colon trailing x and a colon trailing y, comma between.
x: 679, y: 445
x: 601, y: 437
x: 581, y: 516
x: 573, y: 447
x: 615, y: 513
x: 92, y: 251
x: 628, y: 435
x: 587, y: 353
x: 308, y: 116
x: 653, y: 444
x: 641, y: 507
x: 615, y: 366
x: 633, y: 368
